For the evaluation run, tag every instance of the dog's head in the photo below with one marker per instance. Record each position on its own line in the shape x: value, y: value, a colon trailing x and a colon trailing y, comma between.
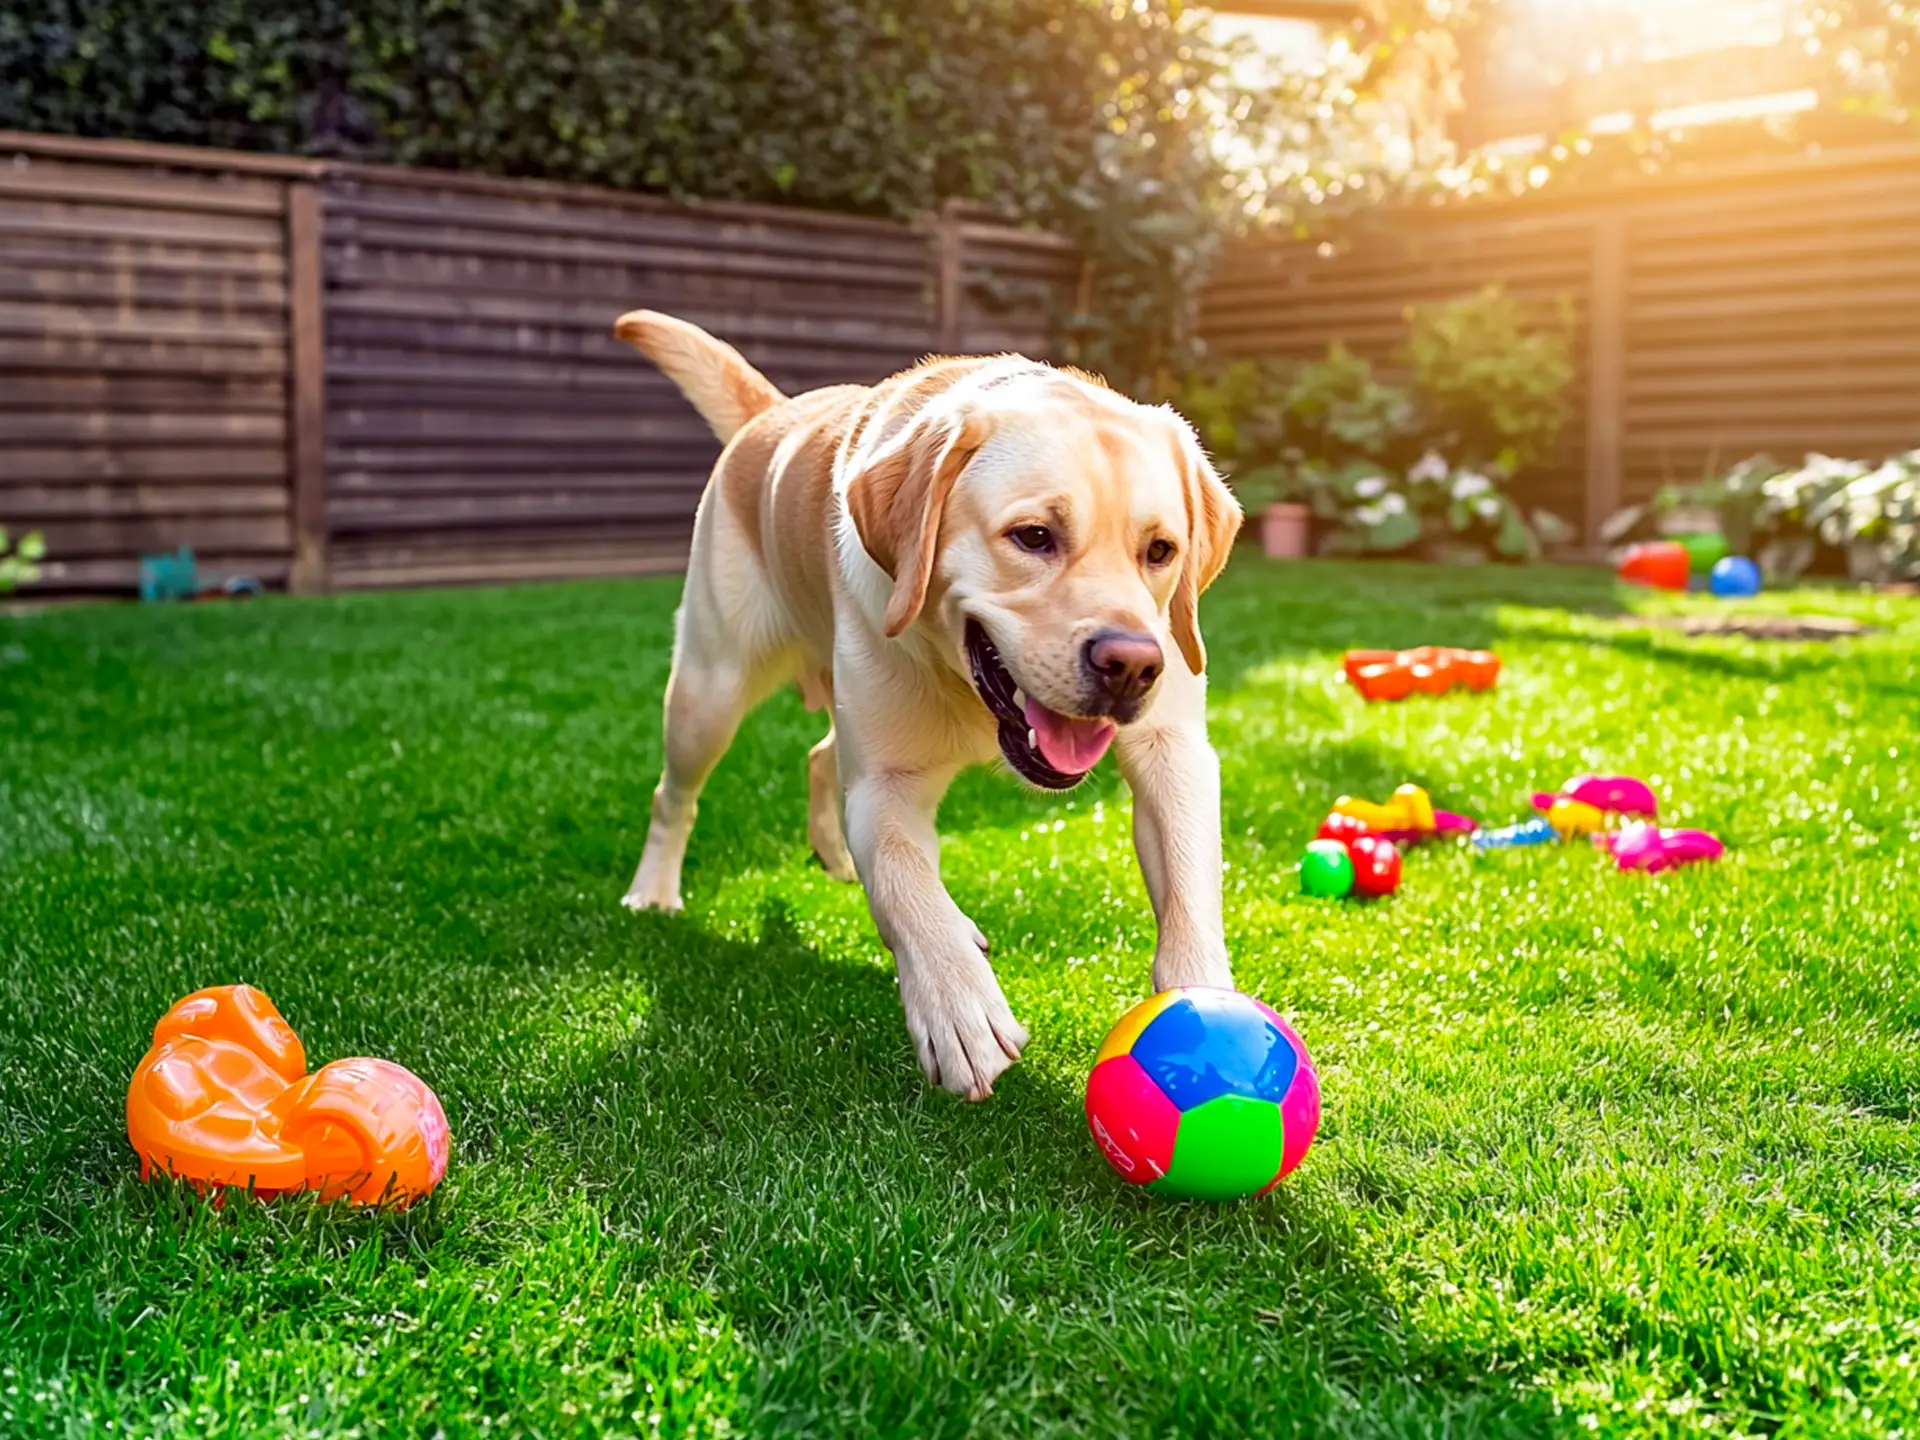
x: 1055, y: 537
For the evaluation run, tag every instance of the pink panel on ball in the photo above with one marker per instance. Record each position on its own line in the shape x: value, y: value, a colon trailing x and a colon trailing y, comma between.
x: 1299, y: 1113
x: 1132, y: 1120
x: 1300, y: 1107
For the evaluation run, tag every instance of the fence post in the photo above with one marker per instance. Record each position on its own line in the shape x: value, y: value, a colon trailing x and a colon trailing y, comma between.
x: 950, y: 290
x: 306, y: 388
x: 1606, y: 371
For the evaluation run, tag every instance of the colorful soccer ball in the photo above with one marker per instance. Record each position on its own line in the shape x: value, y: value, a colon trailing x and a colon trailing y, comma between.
x: 1202, y: 1093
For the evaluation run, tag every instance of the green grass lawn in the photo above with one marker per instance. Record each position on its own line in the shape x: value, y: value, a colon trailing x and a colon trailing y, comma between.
x: 1601, y: 1154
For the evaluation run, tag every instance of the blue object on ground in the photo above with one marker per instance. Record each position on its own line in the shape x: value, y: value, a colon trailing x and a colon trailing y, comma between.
x: 1734, y: 577
x: 169, y: 577
x: 1512, y: 837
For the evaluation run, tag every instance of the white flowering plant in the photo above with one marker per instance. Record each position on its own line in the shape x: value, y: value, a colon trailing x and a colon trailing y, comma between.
x: 1379, y: 511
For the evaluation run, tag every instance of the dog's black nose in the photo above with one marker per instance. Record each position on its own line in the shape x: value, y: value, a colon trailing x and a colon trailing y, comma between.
x: 1123, y: 663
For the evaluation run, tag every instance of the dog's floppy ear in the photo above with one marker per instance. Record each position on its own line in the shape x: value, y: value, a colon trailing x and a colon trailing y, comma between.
x: 898, y: 498
x: 1213, y: 520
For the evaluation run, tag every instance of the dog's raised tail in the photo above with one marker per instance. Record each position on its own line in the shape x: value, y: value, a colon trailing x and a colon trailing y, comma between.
x: 724, y: 388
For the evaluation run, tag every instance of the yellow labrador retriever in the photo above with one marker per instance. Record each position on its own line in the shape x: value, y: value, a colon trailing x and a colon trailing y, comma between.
x: 976, y: 557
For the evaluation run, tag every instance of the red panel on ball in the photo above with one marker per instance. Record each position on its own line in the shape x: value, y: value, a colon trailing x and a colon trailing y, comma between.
x: 1132, y: 1120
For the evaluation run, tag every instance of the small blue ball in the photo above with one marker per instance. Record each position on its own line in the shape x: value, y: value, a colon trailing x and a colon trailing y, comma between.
x: 1734, y: 577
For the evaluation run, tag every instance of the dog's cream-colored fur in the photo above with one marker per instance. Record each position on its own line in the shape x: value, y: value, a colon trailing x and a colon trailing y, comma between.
x: 845, y: 539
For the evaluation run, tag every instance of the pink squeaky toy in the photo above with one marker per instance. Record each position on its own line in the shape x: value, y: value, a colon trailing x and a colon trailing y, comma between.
x: 1613, y: 794
x: 1649, y: 848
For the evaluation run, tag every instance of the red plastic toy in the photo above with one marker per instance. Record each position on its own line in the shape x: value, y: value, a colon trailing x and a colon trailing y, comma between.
x: 1662, y: 564
x: 1344, y: 828
x: 1376, y: 865
x: 223, y: 1098
x: 1428, y: 670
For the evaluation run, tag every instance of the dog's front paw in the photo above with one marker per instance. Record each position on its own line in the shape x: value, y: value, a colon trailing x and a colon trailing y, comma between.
x: 963, y: 1031
x: 652, y: 889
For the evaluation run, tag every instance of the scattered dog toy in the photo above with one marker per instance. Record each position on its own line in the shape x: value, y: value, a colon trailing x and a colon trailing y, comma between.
x: 1204, y: 1094
x: 223, y: 1099
x: 1704, y: 550
x: 177, y: 577
x: 1538, y: 831
x: 1588, y: 804
x: 1660, y: 564
x: 1406, y: 819
x: 1651, y: 849
x: 1734, y: 578
x: 1326, y: 869
x: 1376, y: 866
x: 1344, y: 828
x: 1428, y: 670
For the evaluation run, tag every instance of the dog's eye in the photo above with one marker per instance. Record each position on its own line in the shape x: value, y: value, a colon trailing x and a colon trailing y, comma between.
x: 1034, y: 539
x: 1159, y: 552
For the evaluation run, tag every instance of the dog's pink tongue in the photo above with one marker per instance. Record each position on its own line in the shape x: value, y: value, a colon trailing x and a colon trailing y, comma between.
x: 1070, y: 746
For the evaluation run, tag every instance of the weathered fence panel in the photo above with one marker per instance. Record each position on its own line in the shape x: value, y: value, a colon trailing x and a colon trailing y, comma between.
x: 482, y: 421
x: 336, y: 376
x: 1766, y: 307
x: 143, y: 365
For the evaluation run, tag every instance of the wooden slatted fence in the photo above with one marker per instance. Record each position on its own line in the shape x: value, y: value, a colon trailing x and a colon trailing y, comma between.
x: 144, y: 362
x: 1762, y: 307
x: 338, y: 376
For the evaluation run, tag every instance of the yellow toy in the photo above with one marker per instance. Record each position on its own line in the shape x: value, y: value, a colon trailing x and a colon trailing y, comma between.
x: 1411, y: 808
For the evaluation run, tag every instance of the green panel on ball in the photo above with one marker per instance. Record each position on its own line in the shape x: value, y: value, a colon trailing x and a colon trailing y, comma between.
x: 1225, y: 1149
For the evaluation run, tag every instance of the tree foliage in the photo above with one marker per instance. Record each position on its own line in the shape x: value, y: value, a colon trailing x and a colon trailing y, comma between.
x: 1096, y: 119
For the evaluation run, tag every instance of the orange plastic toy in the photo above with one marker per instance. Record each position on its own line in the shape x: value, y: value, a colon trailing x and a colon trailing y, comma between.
x: 1429, y: 670
x: 223, y: 1098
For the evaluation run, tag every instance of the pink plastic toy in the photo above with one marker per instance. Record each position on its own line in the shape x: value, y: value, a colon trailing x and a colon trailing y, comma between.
x: 1614, y: 794
x: 1649, y: 848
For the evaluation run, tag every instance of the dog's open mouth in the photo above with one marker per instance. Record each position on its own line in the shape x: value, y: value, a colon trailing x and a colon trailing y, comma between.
x: 1043, y: 746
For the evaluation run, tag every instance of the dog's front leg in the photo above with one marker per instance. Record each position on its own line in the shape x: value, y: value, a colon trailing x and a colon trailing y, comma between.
x: 1175, y: 778
x: 962, y: 1030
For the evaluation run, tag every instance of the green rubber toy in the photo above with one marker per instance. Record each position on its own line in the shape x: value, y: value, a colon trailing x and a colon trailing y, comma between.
x: 1327, y: 870
x: 1704, y: 551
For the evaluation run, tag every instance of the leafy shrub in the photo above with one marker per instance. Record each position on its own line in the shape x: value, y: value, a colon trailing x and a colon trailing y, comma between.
x: 1386, y: 467
x: 1494, y: 376
x: 1277, y: 427
x: 1094, y: 119
x: 20, y: 564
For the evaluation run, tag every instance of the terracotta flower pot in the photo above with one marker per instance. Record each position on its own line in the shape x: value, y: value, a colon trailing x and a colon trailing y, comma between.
x: 1283, y: 531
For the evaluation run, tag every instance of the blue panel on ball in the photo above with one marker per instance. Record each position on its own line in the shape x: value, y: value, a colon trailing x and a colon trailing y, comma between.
x: 1215, y: 1042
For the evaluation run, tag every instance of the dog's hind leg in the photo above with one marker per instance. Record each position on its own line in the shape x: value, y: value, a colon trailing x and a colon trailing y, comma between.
x: 824, y: 827
x: 728, y: 656
x: 706, y: 701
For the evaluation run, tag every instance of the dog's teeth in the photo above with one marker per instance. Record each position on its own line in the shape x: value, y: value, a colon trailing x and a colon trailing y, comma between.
x: 1019, y: 698
x: 1033, y: 739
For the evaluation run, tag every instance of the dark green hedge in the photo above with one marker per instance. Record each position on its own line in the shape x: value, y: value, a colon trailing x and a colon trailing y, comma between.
x: 1079, y: 114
